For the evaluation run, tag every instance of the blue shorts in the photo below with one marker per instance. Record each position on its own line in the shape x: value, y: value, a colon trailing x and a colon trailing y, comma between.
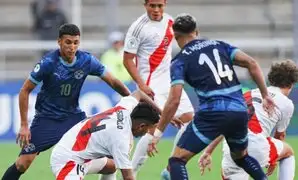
x: 46, y: 132
x: 208, y: 125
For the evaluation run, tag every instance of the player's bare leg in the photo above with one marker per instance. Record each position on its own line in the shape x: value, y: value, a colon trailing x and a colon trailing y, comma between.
x: 286, y: 163
x: 19, y: 167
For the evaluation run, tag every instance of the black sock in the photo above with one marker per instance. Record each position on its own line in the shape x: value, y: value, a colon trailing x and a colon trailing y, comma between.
x: 177, y: 169
x: 252, y: 167
x: 12, y: 173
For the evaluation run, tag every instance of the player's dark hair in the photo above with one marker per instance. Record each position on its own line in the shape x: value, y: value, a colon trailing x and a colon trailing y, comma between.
x: 69, y: 29
x: 146, y: 1
x: 184, y: 23
x: 283, y: 74
x: 144, y: 111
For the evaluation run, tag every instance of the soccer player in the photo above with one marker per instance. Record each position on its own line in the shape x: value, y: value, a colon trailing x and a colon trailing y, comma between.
x: 149, y: 41
x: 108, y: 134
x: 62, y: 73
x: 267, y: 150
x: 207, y: 66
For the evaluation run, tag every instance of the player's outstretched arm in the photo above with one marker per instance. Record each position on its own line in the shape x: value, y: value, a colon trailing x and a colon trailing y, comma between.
x: 24, y: 134
x: 141, y: 96
x: 205, y: 158
x: 170, y: 108
x: 116, y: 84
x: 243, y: 60
x: 127, y: 174
x: 132, y: 70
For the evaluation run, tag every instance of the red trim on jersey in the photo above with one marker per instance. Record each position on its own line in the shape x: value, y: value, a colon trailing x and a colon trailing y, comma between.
x: 82, y: 139
x: 253, y: 123
x: 157, y: 56
x: 65, y: 170
x: 273, y: 152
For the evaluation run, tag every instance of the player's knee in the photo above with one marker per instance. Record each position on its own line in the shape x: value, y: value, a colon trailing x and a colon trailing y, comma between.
x: 238, y: 154
x: 109, y: 168
x: 24, y: 162
x: 287, y: 151
x: 176, y: 160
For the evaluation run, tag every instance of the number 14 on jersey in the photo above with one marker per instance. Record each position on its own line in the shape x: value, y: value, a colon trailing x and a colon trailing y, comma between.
x: 218, y: 72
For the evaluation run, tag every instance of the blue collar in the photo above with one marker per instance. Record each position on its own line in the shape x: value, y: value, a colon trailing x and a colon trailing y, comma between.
x: 67, y: 64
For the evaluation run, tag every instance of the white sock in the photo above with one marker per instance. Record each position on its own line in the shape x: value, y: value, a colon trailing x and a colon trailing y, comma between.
x: 287, y: 168
x: 140, y: 154
x: 177, y: 137
x: 97, y: 165
x: 108, y: 176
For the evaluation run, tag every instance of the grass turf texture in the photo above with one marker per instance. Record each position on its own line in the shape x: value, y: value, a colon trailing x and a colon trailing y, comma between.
x: 40, y: 169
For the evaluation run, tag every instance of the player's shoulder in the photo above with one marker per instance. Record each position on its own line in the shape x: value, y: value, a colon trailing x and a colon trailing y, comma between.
x: 285, y: 102
x: 50, y: 58
x: 140, y: 21
x: 168, y: 16
x: 84, y: 55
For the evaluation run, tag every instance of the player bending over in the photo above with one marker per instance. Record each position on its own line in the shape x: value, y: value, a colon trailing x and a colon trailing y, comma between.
x: 265, y: 149
x: 149, y: 41
x: 108, y: 134
x: 207, y: 66
x: 62, y: 73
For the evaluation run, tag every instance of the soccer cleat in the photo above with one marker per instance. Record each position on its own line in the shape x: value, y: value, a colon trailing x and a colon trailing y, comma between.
x: 165, y: 175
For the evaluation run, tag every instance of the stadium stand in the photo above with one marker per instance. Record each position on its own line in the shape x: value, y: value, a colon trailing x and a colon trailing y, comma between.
x: 228, y: 19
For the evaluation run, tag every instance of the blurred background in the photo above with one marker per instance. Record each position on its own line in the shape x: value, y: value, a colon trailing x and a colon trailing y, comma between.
x: 265, y: 29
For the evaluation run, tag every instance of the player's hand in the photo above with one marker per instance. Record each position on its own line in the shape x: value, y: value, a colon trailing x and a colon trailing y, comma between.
x: 269, y: 105
x: 177, y: 123
x: 146, y: 89
x: 270, y: 169
x: 23, y: 136
x: 205, y: 161
x: 152, y: 148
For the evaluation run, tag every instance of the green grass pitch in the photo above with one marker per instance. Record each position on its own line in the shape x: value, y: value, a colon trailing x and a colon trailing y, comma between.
x: 40, y: 169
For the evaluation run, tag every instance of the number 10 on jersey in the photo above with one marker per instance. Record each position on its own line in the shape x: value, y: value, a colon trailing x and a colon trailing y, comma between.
x: 65, y: 89
x: 219, y: 72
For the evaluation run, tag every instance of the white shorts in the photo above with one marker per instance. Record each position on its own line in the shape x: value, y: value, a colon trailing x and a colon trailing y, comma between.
x: 185, y: 105
x: 65, y: 169
x: 265, y: 150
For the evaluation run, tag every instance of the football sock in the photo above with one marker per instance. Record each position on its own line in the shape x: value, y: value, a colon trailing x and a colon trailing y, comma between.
x: 108, y: 176
x: 97, y: 165
x: 12, y: 173
x: 252, y: 167
x: 177, y: 169
x: 140, y: 154
x: 287, y: 168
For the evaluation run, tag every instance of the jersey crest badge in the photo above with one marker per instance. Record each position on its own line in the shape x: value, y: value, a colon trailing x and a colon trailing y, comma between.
x: 79, y: 74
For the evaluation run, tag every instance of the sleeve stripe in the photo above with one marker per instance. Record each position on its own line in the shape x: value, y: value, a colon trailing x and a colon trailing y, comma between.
x: 104, y: 72
x: 33, y: 80
x: 139, y: 27
x: 178, y: 81
x: 232, y: 56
